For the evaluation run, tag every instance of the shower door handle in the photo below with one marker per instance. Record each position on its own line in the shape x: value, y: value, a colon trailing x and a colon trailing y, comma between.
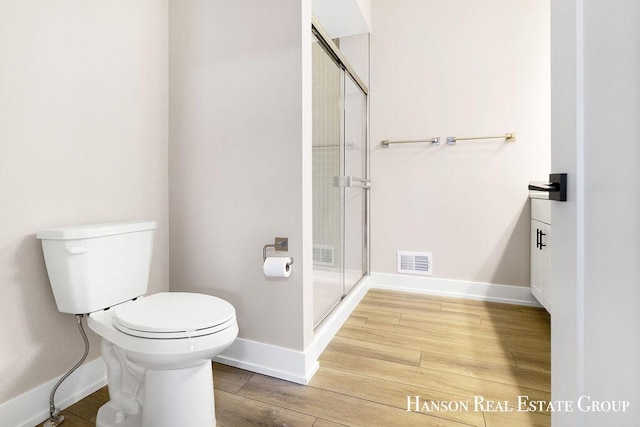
x: 355, y: 182
x: 351, y: 181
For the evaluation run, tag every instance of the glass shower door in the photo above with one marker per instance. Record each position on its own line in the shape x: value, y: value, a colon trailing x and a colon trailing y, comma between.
x: 354, y: 195
x: 328, y: 161
x: 339, y: 182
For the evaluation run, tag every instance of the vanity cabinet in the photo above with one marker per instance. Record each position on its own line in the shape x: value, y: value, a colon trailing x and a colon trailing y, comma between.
x: 540, y: 251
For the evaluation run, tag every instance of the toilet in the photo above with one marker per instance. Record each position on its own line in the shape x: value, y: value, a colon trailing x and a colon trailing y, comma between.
x: 157, y: 348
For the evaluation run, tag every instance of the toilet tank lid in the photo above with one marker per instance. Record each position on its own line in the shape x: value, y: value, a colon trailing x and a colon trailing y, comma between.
x: 87, y: 231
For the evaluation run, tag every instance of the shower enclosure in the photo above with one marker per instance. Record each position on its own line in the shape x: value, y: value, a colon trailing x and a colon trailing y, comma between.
x: 340, y: 176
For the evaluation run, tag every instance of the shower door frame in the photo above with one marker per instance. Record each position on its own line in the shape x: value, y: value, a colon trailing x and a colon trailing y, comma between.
x: 349, y: 72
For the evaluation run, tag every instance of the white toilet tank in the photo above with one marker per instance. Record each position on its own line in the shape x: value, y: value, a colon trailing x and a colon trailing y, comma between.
x: 95, y: 266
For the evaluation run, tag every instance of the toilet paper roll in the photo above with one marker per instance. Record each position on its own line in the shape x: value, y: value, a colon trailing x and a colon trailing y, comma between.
x: 277, y: 266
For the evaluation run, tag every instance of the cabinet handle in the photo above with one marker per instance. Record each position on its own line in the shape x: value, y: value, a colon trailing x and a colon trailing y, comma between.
x: 539, y: 235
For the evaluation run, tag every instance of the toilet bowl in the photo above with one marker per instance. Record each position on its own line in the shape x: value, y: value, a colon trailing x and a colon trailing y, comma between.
x: 158, y: 348
x: 163, y: 344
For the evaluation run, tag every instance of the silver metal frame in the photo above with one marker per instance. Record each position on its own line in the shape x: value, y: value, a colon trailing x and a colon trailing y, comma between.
x: 325, y: 40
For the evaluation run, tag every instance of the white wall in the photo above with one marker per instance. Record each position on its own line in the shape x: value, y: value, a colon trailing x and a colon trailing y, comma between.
x: 83, y: 138
x: 595, y: 273
x: 240, y: 159
x: 458, y: 68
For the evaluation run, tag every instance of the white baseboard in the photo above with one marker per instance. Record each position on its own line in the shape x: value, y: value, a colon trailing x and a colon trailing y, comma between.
x: 32, y: 407
x: 267, y: 359
x: 288, y: 364
x: 506, y: 294
x: 299, y: 367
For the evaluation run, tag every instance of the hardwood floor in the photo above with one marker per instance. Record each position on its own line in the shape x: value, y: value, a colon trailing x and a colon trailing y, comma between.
x: 446, y: 351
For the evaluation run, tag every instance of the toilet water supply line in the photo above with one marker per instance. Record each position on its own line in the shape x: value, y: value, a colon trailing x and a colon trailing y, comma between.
x: 56, y: 418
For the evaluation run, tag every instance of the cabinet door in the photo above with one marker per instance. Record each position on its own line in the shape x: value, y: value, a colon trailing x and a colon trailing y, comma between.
x: 537, y: 263
x: 545, y: 242
x: 540, y: 256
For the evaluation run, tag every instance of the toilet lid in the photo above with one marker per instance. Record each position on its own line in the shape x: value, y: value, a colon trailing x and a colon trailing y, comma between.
x: 174, y: 315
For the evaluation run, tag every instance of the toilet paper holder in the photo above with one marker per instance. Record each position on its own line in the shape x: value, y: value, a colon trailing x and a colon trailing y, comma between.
x: 281, y: 244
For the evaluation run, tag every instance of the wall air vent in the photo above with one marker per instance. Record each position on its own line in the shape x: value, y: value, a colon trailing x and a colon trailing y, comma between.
x: 415, y: 263
x: 324, y: 255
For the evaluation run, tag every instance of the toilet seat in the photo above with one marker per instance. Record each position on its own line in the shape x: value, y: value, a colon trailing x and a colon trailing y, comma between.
x: 173, y: 315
